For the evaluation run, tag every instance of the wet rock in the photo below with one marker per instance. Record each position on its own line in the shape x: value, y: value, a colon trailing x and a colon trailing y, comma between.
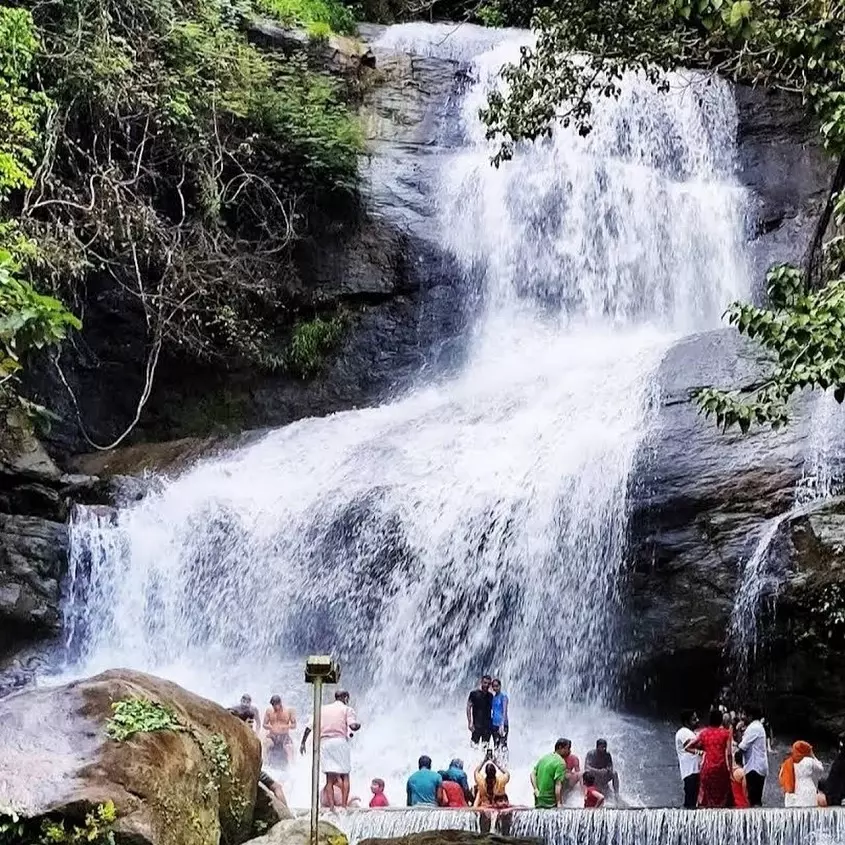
x: 298, y: 832
x: 701, y: 500
x: 799, y: 667
x: 32, y: 560
x: 338, y: 54
x: 783, y: 162
x: 55, y: 757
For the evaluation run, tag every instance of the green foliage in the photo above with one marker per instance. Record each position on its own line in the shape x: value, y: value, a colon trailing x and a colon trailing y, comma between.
x: 21, y: 109
x: 28, y: 320
x: 325, y: 16
x: 804, y: 331
x: 310, y: 342
x: 140, y: 715
x: 95, y: 830
x: 583, y: 48
x: 180, y: 164
x: 219, y: 759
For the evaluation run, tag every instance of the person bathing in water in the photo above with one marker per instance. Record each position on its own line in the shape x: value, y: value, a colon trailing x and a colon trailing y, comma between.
x: 279, y: 721
x: 480, y: 712
x: 246, y: 711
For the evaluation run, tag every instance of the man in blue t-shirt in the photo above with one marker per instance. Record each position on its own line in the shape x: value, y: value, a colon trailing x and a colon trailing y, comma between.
x: 499, y: 715
x: 424, y: 786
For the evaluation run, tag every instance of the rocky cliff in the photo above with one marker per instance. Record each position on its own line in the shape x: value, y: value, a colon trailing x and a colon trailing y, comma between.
x: 700, y: 499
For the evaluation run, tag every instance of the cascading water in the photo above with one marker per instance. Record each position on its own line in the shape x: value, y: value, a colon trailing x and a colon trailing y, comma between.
x: 477, y: 523
x: 762, y: 575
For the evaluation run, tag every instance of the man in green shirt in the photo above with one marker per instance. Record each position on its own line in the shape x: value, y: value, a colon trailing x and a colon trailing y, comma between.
x: 549, y: 777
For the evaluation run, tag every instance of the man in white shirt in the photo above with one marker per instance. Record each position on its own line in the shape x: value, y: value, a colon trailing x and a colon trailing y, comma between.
x: 337, y: 724
x: 689, y: 762
x: 754, y: 755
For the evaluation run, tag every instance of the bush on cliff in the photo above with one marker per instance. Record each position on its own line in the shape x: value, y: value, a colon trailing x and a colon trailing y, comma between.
x: 159, y: 155
x: 28, y: 319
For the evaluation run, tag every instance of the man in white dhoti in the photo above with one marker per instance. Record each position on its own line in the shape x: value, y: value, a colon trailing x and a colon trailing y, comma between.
x: 337, y: 724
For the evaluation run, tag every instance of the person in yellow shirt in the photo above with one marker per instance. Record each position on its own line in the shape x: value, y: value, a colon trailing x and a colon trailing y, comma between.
x: 490, y: 782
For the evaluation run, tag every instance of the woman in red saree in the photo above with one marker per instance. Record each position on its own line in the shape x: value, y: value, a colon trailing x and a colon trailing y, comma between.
x: 715, y: 777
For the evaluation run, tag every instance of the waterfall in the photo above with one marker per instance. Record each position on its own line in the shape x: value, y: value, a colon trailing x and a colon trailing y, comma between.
x: 619, y: 827
x: 762, y: 576
x: 477, y: 523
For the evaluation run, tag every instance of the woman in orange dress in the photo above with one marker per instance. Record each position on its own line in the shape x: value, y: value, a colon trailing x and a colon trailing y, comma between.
x: 715, y: 777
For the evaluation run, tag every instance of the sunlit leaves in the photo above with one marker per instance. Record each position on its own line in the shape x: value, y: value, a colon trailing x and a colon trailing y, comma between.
x: 805, y: 333
x: 583, y: 47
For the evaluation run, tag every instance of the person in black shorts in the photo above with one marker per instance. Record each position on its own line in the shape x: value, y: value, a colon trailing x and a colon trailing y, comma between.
x: 480, y: 712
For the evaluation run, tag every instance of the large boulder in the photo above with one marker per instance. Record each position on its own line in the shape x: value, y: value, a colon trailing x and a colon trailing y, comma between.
x: 703, y: 502
x: 298, y: 832
x: 194, y: 786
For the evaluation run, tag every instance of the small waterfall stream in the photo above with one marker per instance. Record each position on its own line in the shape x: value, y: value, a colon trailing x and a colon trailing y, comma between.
x: 762, y: 576
x: 617, y: 827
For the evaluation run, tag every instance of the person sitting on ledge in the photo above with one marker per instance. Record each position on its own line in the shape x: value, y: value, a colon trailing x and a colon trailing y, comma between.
x: 549, y: 776
x: 593, y: 796
x: 599, y: 761
x: 491, y: 780
x: 453, y: 794
x: 424, y: 787
x: 456, y: 773
x: 246, y: 711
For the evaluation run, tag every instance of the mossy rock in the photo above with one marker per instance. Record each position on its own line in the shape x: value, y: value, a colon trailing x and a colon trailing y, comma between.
x: 56, y: 757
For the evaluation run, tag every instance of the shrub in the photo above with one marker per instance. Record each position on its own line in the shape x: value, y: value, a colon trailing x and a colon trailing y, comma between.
x: 310, y: 342
x: 332, y: 15
x: 140, y: 715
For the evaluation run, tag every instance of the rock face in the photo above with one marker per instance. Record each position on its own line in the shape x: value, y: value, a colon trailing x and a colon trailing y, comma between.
x: 394, y: 285
x: 35, y: 499
x: 298, y: 832
x: 802, y: 655
x: 55, y: 757
x: 782, y: 161
x: 702, y: 501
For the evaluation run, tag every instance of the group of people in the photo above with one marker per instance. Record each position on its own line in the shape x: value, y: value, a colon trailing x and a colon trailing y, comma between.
x: 723, y: 764
x: 726, y: 763
x: 278, y: 723
x: 450, y: 787
x: 487, y: 714
x: 556, y: 775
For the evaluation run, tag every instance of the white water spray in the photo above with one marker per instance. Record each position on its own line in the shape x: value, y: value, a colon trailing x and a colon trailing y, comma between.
x: 474, y: 525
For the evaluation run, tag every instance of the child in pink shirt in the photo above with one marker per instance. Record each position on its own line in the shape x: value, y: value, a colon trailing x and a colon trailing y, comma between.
x: 379, y: 799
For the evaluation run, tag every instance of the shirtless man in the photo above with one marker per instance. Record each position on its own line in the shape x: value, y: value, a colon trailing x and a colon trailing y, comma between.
x: 279, y: 721
x: 246, y: 711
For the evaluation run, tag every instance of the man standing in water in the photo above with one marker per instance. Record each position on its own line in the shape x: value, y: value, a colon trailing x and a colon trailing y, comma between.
x: 689, y: 762
x: 754, y: 754
x: 279, y: 721
x: 499, y: 715
x: 480, y: 712
x: 337, y: 724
